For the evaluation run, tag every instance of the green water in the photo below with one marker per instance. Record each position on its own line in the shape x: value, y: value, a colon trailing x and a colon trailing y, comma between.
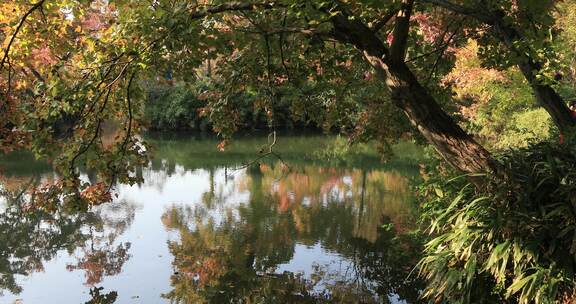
x: 316, y: 226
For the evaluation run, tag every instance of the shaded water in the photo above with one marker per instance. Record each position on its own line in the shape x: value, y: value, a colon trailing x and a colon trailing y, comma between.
x: 198, y: 230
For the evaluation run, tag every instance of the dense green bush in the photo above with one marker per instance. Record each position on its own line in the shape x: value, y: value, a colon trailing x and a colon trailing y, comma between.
x: 525, y: 127
x: 511, y: 116
x: 499, y: 106
x: 203, y: 106
x: 504, y: 242
x: 174, y: 107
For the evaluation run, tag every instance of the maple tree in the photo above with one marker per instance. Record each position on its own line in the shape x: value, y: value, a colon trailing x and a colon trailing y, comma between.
x: 70, y: 68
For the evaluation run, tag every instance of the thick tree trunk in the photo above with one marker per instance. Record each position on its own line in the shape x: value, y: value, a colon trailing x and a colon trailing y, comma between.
x: 456, y: 146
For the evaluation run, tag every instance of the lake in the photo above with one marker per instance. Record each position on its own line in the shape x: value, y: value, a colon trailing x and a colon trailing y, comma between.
x: 312, y: 227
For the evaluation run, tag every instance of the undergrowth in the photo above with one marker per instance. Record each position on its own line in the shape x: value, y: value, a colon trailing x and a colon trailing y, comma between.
x: 511, y: 241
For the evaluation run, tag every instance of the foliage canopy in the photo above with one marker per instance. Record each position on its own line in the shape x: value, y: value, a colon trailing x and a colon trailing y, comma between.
x: 72, y: 72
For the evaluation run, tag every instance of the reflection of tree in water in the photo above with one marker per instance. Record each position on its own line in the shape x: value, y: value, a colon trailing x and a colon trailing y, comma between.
x: 232, y: 257
x: 102, y: 298
x: 100, y: 255
x: 30, y: 237
x: 389, y: 261
x: 101, y: 262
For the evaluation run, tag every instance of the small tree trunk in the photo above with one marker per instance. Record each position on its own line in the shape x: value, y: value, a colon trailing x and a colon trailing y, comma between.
x: 550, y: 100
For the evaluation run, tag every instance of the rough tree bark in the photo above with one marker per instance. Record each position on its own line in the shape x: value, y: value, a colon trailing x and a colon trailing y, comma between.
x: 457, y: 147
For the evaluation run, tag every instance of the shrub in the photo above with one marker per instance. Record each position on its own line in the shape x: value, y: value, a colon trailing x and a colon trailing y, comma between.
x: 340, y: 151
x: 528, y: 126
x: 203, y: 105
x: 499, y: 105
x: 512, y: 241
x: 174, y: 108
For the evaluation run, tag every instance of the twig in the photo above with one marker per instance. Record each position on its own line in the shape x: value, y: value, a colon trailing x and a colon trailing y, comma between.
x: 266, y: 154
x: 24, y: 189
x: 281, y: 42
x: 382, y: 22
x: 128, y: 130
x: 444, y: 50
x: 96, y: 133
x: 7, y: 51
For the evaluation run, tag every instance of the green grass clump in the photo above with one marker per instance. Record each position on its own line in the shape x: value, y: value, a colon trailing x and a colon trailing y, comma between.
x: 510, y: 241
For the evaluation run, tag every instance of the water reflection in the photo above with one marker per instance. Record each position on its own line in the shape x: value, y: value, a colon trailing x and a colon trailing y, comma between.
x: 354, y: 215
x: 313, y: 234
x: 99, y: 298
x: 32, y: 237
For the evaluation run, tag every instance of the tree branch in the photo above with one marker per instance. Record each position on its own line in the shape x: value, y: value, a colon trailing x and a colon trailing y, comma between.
x: 290, y: 30
x: 128, y: 130
x: 401, y: 30
x: 529, y: 65
x: 233, y: 6
x: 478, y: 14
x: 444, y: 48
x: 384, y: 20
x: 352, y: 31
x: 281, y: 44
x: 440, y: 48
x: 270, y: 147
x: 7, y: 51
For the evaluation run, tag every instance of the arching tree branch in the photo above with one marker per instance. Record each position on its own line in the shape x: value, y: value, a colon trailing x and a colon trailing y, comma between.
x: 28, y: 13
x: 376, y: 27
x: 547, y: 96
x: 233, y: 6
x: 457, y: 147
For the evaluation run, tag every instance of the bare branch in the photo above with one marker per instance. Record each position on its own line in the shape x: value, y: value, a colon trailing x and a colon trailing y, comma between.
x: 271, y: 144
x: 433, y: 69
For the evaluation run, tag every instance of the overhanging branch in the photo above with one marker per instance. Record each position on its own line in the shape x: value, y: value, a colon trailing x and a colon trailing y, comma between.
x: 233, y: 6
x: 30, y: 11
x: 353, y: 31
x: 461, y: 9
x: 384, y: 20
x: 401, y: 31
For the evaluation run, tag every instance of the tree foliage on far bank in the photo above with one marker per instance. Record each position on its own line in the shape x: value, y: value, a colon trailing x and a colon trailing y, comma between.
x: 369, y: 67
x: 375, y: 69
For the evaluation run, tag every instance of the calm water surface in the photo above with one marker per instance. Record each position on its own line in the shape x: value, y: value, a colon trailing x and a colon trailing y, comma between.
x: 201, y: 230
